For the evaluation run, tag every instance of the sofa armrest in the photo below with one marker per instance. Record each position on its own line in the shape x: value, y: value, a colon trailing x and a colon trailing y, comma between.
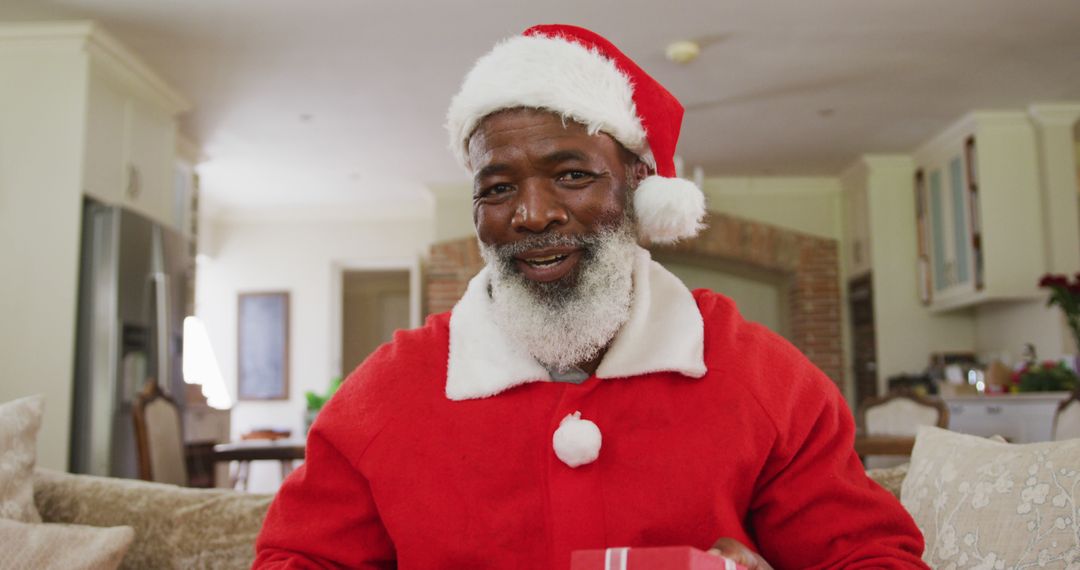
x: 175, y: 527
x: 891, y: 478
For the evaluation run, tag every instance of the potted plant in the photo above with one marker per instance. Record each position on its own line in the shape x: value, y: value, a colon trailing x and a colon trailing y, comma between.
x: 316, y: 401
x: 1065, y: 294
x: 1045, y: 376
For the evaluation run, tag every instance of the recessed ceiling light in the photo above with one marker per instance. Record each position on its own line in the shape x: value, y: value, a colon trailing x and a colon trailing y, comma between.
x: 683, y: 51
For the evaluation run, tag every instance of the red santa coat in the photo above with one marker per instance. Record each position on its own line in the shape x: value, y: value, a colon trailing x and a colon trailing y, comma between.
x: 437, y: 451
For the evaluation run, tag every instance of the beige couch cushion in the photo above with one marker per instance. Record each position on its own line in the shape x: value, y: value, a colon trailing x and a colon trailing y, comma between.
x: 985, y: 504
x: 62, y: 546
x: 175, y: 527
x: 19, y: 423
x: 891, y: 478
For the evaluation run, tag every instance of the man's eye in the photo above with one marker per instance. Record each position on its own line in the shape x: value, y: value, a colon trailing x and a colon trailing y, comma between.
x: 575, y: 175
x: 495, y: 190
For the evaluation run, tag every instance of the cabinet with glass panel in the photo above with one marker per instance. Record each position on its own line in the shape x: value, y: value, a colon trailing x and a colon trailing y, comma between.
x: 978, y: 212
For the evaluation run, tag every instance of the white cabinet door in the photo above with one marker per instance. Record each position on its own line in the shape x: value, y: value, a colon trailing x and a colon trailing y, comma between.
x: 1017, y: 419
x: 129, y: 148
x: 103, y: 160
x: 951, y: 256
x: 150, y: 142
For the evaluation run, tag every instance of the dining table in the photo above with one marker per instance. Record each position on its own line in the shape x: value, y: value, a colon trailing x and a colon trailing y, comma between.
x: 285, y: 451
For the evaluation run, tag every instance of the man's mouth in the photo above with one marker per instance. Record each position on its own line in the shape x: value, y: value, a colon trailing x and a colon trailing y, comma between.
x: 548, y: 264
x: 545, y: 261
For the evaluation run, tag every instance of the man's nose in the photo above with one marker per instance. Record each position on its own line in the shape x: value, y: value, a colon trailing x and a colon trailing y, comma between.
x: 539, y: 208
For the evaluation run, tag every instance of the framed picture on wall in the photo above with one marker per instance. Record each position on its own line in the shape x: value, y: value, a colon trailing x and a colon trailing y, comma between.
x: 262, y: 353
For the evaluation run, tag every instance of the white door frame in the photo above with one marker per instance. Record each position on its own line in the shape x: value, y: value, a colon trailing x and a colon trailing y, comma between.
x: 337, y: 274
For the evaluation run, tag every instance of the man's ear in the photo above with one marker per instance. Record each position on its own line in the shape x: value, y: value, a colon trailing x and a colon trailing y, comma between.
x: 638, y: 171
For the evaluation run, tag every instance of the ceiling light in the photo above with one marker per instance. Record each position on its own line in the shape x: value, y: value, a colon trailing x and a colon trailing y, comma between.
x: 683, y: 52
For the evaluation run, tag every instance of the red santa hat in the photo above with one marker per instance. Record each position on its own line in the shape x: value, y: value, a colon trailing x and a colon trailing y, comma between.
x: 583, y: 77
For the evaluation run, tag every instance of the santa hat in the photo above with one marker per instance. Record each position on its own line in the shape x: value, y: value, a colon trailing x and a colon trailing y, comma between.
x: 583, y: 77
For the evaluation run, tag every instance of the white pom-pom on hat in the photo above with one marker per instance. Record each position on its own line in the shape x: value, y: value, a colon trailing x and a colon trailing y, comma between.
x: 668, y: 209
x: 576, y: 441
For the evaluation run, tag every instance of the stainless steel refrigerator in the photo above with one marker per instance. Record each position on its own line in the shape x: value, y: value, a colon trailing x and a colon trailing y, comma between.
x: 133, y: 283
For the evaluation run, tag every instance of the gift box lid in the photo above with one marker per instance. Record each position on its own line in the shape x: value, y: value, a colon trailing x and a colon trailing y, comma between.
x: 650, y: 558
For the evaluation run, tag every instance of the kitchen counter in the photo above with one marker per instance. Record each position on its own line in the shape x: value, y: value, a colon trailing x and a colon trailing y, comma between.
x: 1019, y: 418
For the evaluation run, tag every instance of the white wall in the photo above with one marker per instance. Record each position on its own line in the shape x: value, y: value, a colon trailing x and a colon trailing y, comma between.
x: 453, y: 207
x: 1002, y: 329
x: 41, y: 118
x: 302, y: 258
x: 810, y: 205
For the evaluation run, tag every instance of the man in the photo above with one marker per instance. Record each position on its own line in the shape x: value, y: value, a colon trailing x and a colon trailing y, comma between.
x: 579, y: 396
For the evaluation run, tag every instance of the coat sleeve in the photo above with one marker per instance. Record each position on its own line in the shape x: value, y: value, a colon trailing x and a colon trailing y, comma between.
x: 324, y: 516
x: 814, y: 506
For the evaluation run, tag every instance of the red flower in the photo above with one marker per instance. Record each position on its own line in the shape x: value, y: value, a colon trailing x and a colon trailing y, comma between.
x: 1051, y: 280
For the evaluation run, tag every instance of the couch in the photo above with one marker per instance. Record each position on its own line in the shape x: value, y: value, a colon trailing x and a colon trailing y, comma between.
x: 175, y: 527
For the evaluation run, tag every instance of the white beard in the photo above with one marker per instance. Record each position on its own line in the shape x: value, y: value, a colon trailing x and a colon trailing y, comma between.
x: 566, y: 322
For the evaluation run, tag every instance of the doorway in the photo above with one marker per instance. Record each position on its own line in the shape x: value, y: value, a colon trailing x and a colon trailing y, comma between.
x: 864, y: 337
x: 374, y: 304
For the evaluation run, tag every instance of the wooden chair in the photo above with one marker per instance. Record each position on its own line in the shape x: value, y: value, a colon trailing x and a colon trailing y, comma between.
x: 887, y: 426
x: 159, y: 437
x: 1067, y: 418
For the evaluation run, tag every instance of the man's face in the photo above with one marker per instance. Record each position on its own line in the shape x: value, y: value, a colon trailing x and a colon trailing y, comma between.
x: 541, y: 185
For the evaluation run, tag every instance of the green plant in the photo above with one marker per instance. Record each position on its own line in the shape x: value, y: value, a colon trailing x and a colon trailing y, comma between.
x: 316, y: 401
x: 1065, y: 294
x: 1046, y: 376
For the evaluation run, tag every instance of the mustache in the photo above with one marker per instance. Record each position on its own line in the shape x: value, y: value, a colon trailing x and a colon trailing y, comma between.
x: 509, y: 251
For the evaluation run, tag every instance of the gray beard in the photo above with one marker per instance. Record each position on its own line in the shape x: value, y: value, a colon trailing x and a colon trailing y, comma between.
x: 566, y: 322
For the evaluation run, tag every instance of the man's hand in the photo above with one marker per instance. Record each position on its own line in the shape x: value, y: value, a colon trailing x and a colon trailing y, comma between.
x: 733, y: 549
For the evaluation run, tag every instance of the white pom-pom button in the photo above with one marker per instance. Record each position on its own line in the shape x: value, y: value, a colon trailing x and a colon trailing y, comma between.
x: 577, y: 441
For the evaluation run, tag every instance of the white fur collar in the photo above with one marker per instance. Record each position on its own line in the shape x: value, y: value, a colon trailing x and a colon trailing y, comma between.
x: 665, y: 333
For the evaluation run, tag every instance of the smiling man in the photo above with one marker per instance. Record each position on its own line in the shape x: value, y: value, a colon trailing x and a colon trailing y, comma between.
x: 579, y: 396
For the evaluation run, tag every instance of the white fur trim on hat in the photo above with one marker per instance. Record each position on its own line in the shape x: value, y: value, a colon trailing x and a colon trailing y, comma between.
x: 668, y: 209
x: 577, y: 441
x: 548, y: 73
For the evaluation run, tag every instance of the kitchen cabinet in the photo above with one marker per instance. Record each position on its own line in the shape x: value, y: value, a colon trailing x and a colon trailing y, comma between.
x: 130, y: 134
x: 978, y: 212
x: 1019, y: 418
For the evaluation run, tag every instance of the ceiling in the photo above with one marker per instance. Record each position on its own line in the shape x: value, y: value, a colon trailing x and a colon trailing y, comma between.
x: 339, y: 104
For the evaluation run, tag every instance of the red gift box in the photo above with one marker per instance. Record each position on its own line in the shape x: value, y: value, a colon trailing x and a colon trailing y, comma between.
x: 656, y: 558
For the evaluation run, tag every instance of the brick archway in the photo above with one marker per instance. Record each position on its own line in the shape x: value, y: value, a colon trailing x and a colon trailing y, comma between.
x: 809, y: 262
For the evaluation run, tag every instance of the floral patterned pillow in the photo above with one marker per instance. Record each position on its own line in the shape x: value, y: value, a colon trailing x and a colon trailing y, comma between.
x: 990, y: 505
x: 19, y: 423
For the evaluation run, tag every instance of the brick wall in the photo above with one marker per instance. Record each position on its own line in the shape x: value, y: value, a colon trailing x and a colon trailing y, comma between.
x: 450, y: 266
x: 810, y: 262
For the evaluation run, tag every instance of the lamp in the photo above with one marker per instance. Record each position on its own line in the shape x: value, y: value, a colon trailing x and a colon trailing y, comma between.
x: 201, y: 366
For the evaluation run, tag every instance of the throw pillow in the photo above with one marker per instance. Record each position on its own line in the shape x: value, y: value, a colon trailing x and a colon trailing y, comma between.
x: 991, y: 505
x: 19, y: 423
x: 71, y: 547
